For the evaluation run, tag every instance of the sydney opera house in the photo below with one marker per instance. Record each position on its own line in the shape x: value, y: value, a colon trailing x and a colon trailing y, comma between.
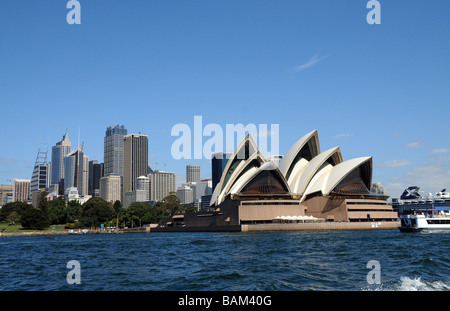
x: 305, y: 182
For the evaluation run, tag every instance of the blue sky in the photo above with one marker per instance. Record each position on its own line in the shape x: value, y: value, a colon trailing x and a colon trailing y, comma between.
x: 374, y: 90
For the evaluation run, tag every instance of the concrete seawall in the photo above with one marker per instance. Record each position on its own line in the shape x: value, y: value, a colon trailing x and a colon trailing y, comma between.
x: 33, y: 233
x: 322, y: 226
x: 242, y: 228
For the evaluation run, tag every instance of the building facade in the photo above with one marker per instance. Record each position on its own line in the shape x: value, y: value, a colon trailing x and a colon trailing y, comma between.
x: 59, y: 151
x: 193, y: 173
x: 161, y: 184
x: 218, y: 162
x: 135, y: 162
x: 95, y: 173
x: 21, y: 190
x: 40, y: 178
x: 143, y: 184
x: 110, y: 188
x: 113, y: 150
x: 5, y: 190
x: 186, y: 194
x: 76, y: 171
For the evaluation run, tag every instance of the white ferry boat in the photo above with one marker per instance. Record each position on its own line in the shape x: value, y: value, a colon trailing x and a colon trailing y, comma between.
x: 428, y: 213
x: 433, y: 220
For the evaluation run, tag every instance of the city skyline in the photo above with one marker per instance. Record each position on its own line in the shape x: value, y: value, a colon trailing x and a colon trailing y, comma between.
x: 302, y: 65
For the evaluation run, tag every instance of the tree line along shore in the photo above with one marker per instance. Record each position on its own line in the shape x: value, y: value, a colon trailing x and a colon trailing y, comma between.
x: 58, y: 216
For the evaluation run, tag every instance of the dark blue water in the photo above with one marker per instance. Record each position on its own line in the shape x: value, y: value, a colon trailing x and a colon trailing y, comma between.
x: 316, y: 260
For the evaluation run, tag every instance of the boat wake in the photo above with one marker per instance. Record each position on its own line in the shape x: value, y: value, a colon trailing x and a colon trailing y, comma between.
x: 411, y: 284
x: 417, y: 284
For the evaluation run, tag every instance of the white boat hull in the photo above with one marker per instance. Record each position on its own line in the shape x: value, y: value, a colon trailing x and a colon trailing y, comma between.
x: 421, y: 223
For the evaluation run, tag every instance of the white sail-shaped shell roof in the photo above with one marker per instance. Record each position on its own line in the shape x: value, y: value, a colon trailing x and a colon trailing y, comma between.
x: 245, y: 154
x: 303, y: 171
x: 214, y: 196
x: 268, y: 166
x: 328, y: 181
x: 333, y: 156
x: 288, y: 162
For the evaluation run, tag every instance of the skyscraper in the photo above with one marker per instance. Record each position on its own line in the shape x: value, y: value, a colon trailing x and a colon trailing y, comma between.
x: 76, y: 171
x: 135, y: 160
x: 95, y: 173
x: 41, y: 171
x: 85, y: 185
x: 59, y: 151
x: 193, y: 173
x: 161, y: 184
x: 218, y: 163
x: 113, y: 150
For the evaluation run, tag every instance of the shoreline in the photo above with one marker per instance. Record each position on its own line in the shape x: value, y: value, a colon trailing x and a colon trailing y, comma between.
x: 33, y: 233
x: 320, y: 226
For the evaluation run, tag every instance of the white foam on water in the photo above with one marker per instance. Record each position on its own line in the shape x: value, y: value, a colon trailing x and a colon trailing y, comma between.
x: 409, y: 284
x: 417, y: 284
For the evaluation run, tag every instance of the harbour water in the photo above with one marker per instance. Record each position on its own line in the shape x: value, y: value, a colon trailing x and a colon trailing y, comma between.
x: 251, y: 261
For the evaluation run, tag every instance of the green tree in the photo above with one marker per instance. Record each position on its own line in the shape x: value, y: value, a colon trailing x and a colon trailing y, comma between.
x: 117, y: 207
x: 13, y: 217
x: 140, y: 213
x: 74, y: 211
x: 149, y: 217
x: 18, y: 207
x: 43, y: 203
x: 34, y: 219
x: 96, y: 211
x: 172, y: 204
x: 58, y: 212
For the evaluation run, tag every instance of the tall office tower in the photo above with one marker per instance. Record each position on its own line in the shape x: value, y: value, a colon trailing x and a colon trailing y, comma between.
x: 218, y: 162
x: 95, y: 173
x: 113, y: 150
x: 21, y: 190
x: 59, y: 151
x: 40, y: 176
x: 161, y: 184
x: 135, y: 160
x: 110, y: 188
x: 193, y: 173
x: 85, y: 187
x: 76, y: 171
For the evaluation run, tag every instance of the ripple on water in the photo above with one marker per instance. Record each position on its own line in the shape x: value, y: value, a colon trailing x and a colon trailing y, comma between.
x: 227, y: 261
